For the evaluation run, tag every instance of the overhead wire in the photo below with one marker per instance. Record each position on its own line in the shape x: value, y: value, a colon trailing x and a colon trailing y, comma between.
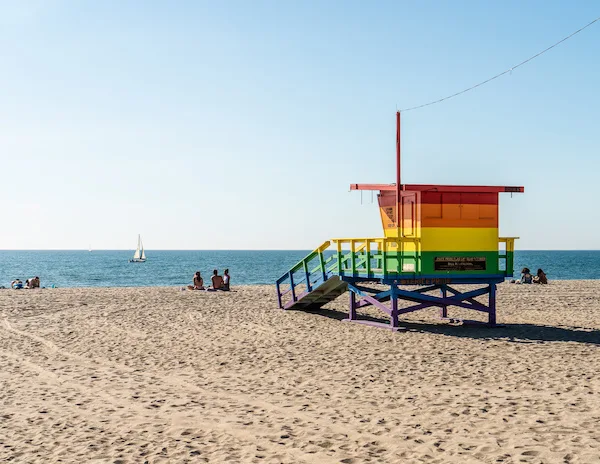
x: 509, y: 70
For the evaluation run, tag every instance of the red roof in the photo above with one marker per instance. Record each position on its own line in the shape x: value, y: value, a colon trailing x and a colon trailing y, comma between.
x: 438, y: 188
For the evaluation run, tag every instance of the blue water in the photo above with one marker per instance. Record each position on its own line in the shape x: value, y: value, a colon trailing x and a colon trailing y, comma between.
x: 167, y: 268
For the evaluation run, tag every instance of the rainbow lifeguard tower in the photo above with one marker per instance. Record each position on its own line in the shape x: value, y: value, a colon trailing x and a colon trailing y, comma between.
x: 435, y: 236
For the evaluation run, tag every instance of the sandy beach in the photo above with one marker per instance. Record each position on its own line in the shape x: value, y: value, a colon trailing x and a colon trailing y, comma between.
x: 160, y: 375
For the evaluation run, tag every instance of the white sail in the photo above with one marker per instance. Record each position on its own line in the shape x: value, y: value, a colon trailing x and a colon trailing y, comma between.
x: 140, y: 255
x: 137, y: 253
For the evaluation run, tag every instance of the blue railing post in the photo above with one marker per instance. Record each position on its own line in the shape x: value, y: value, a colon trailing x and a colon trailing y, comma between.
x: 322, y: 262
x: 307, y: 275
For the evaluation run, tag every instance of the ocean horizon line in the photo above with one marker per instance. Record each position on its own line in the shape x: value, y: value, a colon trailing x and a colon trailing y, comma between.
x: 246, y: 249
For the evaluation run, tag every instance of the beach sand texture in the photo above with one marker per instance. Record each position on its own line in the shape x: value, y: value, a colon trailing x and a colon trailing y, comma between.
x: 161, y: 375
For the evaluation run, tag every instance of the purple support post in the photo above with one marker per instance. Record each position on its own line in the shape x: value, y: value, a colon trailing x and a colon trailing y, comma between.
x: 394, y: 313
x: 352, y: 313
x: 444, y: 309
x: 492, y: 305
x: 279, y: 295
x: 292, y: 286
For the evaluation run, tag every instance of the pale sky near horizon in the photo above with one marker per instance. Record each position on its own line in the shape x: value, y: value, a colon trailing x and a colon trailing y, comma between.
x: 240, y: 125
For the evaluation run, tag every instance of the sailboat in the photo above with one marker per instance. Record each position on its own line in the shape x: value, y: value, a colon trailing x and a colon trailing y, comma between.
x: 139, y: 256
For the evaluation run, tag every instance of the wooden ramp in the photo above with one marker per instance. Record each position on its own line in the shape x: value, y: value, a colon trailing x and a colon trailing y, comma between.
x: 319, y: 296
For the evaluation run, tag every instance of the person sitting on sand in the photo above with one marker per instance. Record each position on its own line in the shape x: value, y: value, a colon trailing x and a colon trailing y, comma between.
x: 526, y: 277
x: 34, y: 282
x: 217, y: 281
x: 540, y: 277
x: 16, y: 283
x: 226, y: 279
x: 198, y: 282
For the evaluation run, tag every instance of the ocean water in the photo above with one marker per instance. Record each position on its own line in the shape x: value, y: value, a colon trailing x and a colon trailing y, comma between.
x: 176, y: 268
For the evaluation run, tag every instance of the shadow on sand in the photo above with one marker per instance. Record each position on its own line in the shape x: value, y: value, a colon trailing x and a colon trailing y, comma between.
x: 515, y: 333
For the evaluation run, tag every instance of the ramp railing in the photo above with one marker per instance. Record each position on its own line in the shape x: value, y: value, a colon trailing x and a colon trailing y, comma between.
x: 309, y: 272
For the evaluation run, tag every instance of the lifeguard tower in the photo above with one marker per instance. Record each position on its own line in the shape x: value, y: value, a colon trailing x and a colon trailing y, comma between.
x: 435, y: 236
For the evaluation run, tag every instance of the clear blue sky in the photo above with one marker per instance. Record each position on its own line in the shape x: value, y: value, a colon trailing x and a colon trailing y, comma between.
x: 241, y: 125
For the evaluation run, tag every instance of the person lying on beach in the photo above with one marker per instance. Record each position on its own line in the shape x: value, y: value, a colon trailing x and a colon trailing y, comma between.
x: 526, y: 277
x: 540, y: 277
x: 16, y: 284
x: 217, y: 281
x: 198, y: 282
x: 226, y: 280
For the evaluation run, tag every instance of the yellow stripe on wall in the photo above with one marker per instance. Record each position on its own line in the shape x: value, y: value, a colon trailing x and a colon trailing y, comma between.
x: 389, y: 233
x: 459, y: 239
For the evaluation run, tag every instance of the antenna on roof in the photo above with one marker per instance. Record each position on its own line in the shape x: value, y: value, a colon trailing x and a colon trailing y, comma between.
x: 398, y: 185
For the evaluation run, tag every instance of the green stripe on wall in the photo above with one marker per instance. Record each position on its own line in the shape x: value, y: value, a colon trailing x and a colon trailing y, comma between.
x: 427, y: 262
x: 405, y: 263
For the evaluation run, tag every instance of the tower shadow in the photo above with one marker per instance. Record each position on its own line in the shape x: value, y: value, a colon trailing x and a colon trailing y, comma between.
x: 513, y: 333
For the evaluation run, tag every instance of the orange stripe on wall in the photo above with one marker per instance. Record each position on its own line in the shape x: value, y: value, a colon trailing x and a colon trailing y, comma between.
x: 464, y: 223
x: 453, y: 215
x: 459, y: 198
x: 450, y: 215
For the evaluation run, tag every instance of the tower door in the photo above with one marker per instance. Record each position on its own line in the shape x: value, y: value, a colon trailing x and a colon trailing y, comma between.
x: 408, y: 215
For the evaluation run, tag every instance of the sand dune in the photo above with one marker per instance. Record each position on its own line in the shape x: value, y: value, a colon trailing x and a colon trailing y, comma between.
x: 160, y: 375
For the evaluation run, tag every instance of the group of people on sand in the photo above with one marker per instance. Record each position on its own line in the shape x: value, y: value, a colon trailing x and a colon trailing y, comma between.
x: 528, y: 278
x: 34, y: 282
x: 218, y: 282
